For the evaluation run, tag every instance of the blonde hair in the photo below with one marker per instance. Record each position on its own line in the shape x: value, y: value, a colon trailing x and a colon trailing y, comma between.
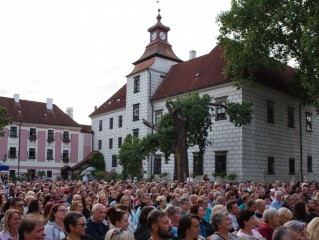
x: 216, y: 209
x: 7, y: 217
x: 74, y: 205
x: 313, y: 229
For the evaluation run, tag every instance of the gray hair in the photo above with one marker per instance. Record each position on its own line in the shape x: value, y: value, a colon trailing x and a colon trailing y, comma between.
x: 284, y: 212
x: 218, y: 217
x: 296, y: 225
x: 281, y: 233
x: 278, y: 193
x: 96, y: 207
x: 270, y: 214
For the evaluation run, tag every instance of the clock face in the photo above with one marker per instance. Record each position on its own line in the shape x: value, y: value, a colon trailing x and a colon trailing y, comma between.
x: 162, y: 35
x: 153, y: 36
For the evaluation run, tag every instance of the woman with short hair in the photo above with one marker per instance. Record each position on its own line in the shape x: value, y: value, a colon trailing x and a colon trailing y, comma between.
x: 298, y: 227
x: 271, y: 219
x: 246, y: 221
x: 222, y: 224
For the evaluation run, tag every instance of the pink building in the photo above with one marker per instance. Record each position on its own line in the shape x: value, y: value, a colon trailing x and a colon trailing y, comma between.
x: 42, y: 138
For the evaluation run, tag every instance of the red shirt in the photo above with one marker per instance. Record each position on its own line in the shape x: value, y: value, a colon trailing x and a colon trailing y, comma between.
x: 265, y: 231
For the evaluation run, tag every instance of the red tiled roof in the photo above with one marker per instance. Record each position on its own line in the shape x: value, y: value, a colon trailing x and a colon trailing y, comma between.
x: 158, y: 49
x: 36, y: 112
x: 117, y: 101
x: 86, y: 128
x: 143, y: 65
x: 198, y: 73
x: 207, y: 71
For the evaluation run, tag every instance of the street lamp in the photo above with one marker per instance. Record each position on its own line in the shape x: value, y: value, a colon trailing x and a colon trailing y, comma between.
x: 5, y: 156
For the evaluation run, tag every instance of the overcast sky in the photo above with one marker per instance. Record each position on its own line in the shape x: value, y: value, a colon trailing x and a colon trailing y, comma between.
x: 78, y: 52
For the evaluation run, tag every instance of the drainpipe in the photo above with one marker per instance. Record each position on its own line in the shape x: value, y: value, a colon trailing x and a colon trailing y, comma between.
x: 152, y: 109
x: 301, y: 150
x: 19, y: 150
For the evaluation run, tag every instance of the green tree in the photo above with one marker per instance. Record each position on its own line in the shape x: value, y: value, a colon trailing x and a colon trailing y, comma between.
x: 255, y: 33
x: 4, y: 120
x: 130, y: 157
x: 186, y: 124
x: 98, y: 162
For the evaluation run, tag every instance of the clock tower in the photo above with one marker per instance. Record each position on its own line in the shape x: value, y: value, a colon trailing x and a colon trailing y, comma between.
x: 158, y: 45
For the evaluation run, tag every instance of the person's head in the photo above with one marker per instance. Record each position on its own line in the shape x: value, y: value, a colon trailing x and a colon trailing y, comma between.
x: 57, y: 212
x: 174, y: 214
x: 184, y: 204
x: 271, y: 217
x: 260, y: 205
x: 76, y: 206
x: 198, y: 210
x: 102, y: 199
x: 118, y: 217
x: 215, y: 209
x: 98, y: 212
x: 246, y: 219
x: 285, y: 215
x: 300, y: 211
x: 313, y: 229
x: 159, y: 224
x: 35, y: 206
x: 284, y: 233
x: 86, y: 201
x: 297, y: 226
x: 203, y: 201
x: 232, y: 207
x: 144, y: 214
x: 161, y: 200
x: 193, y: 198
x: 12, y: 219
x: 188, y: 227
x: 75, y: 222
x: 221, y: 220
x: 76, y: 197
x: 230, y: 196
x: 17, y: 203
x: 47, y: 210
x: 278, y: 195
x: 220, y: 200
x: 32, y: 227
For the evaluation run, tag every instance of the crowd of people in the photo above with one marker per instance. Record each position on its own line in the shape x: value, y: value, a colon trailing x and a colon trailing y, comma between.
x: 116, y: 210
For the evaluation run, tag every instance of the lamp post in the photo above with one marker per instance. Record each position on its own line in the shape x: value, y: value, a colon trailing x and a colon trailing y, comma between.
x: 5, y: 157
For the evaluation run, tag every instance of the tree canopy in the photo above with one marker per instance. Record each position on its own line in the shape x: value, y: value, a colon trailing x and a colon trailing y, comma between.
x: 252, y: 33
x: 130, y: 157
x: 4, y: 121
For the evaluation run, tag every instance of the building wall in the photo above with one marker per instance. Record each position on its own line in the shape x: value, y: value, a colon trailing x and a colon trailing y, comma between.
x: 23, y: 144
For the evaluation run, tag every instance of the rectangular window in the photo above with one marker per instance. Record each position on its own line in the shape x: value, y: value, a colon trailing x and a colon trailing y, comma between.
x: 136, y: 112
x: 100, y: 125
x: 291, y: 117
x: 120, y: 121
x: 309, y: 122
x: 114, y: 161
x: 49, y: 174
x: 110, y: 143
x: 136, y: 84
x: 66, y: 137
x: 135, y: 132
x: 157, y: 164
x: 309, y: 163
x: 49, y: 154
x: 12, y: 152
x: 65, y: 156
x: 220, y: 162
x: 270, y: 112
x: 31, y: 153
x: 198, y: 163
x: 158, y: 116
x: 99, y: 147
x: 13, y: 132
x: 50, y: 135
x: 12, y: 173
x: 32, y: 134
x: 271, y: 166
x: 119, y: 142
x: 111, y: 123
x: 220, y: 109
x: 291, y: 166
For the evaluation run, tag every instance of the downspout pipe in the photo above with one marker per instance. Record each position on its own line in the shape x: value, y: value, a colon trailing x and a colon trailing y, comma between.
x: 300, y: 141
x: 19, y: 154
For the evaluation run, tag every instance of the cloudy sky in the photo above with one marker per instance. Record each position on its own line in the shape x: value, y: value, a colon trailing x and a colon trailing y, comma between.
x: 78, y: 52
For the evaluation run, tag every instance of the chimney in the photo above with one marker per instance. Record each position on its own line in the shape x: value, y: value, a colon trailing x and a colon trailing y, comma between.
x: 95, y: 107
x: 69, y: 112
x: 49, y: 103
x: 192, y: 54
x: 16, y: 98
